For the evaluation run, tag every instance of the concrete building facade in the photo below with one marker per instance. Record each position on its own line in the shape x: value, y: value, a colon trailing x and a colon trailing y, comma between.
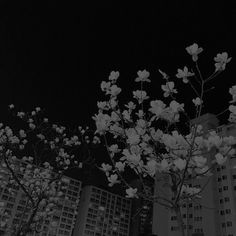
x: 213, y: 214
x: 64, y: 217
x: 102, y: 213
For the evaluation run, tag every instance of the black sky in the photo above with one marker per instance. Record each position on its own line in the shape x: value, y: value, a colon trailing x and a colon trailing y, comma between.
x: 55, y: 55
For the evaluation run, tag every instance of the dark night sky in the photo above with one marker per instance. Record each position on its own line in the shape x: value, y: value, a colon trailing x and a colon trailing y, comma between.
x: 55, y: 55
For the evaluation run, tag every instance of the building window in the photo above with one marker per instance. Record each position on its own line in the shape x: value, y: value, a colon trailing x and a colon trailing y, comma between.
x: 174, y: 228
x: 234, y: 176
x: 224, y: 177
x: 222, y: 212
x: 227, y: 211
x: 220, y: 190
x: 229, y: 223
x: 227, y: 199
x: 225, y: 188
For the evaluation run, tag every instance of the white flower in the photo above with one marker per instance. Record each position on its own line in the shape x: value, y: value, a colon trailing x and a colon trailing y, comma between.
x: 194, y: 50
x: 102, y: 105
x: 163, y: 165
x: 113, y: 179
x: 151, y: 167
x: 157, y: 107
x: 221, y: 60
x: 114, y: 75
x: 131, y: 193
x: 106, y: 168
x: 22, y: 133
x: 220, y: 159
x: 11, y: 106
x: 232, y: 109
x: 133, y: 136
x: 102, y: 122
x: 197, y: 101
x: 143, y: 76
x: 120, y: 166
x: 184, y: 74
x: 140, y: 96
x: 179, y: 163
x: 199, y: 161
x: 168, y: 88
x: 105, y: 86
x: 114, y: 90
x: 176, y: 107
x: 232, y: 91
x: 130, y: 106
x: 114, y: 148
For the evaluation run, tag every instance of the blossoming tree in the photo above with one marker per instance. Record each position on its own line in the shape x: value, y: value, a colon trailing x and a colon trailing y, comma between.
x: 145, y: 136
x: 34, y: 160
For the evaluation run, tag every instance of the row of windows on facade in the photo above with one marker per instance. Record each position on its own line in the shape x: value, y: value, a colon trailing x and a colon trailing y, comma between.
x: 196, y: 218
x: 226, y: 199
x: 224, y: 177
x: 104, y: 222
x: 108, y: 196
x: 106, y: 227
x: 110, y: 233
x: 94, y: 208
x: 196, y: 230
x: 225, y: 188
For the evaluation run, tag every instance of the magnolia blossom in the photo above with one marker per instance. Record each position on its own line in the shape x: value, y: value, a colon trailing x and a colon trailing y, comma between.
x: 232, y: 109
x: 179, y: 163
x: 140, y: 96
x: 221, y: 60
x: 132, y: 136
x: 199, y: 161
x: 113, y: 179
x: 168, y: 88
x: 189, y: 190
x: 197, y: 101
x: 114, y: 75
x: 157, y: 107
x: 120, y: 166
x: 184, y: 74
x: 102, y: 122
x: 143, y: 76
x: 131, y: 192
x: 232, y: 91
x: 194, y: 50
x: 220, y: 159
x: 163, y: 166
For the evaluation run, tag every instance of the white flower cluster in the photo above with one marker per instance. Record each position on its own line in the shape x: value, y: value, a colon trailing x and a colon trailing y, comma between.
x: 35, y: 159
x: 146, y: 137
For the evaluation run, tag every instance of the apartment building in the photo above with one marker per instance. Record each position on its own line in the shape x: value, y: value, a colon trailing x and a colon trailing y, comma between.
x: 102, y: 213
x: 213, y: 214
x: 15, y: 203
x: 141, y: 220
